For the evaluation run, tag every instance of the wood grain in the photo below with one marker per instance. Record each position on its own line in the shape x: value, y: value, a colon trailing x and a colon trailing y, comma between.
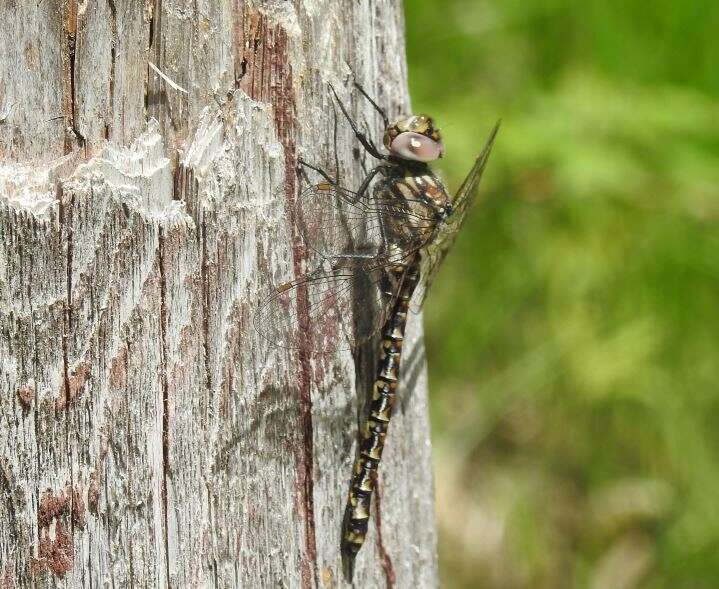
x: 148, y: 435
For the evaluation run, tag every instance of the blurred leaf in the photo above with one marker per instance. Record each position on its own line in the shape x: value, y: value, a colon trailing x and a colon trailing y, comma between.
x: 573, y: 335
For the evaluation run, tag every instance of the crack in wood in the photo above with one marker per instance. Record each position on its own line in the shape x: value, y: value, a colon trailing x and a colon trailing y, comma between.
x: 65, y: 235
x: 151, y: 7
x: 62, y: 549
x: 113, y: 64
x: 384, y: 556
x: 165, y: 395
x: 154, y: 49
x: 205, y: 305
x: 71, y: 40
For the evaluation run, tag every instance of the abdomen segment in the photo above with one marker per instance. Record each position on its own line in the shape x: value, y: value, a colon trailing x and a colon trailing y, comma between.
x: 376, y: 423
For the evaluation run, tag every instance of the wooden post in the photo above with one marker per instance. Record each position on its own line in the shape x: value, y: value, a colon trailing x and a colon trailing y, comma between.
x: 148, y: 436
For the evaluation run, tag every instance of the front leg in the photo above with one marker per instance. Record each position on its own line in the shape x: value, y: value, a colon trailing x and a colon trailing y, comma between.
x: 361, y: 192
x: 320, y: 171
x: 366, y: 142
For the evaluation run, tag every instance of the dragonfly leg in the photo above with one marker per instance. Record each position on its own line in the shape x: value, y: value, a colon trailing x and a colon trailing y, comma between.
x: 376, y: 106
x: 367, y: 143
x: 320, y: 171
x: 334, y: 140
x: 362, y: 190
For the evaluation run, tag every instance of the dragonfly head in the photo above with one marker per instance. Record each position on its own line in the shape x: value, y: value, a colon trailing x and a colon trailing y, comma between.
x: 414, y: 138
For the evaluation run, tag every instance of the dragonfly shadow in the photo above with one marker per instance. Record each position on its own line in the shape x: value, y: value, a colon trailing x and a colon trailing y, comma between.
x: 365, y: 355
x: 414, y: 368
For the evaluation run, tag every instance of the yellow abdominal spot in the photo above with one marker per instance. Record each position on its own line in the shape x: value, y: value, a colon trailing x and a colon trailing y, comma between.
x: 360, y: 513
x: 355, y: 537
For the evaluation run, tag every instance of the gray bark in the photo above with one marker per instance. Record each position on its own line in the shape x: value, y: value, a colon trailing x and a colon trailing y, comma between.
x: 148, y: 436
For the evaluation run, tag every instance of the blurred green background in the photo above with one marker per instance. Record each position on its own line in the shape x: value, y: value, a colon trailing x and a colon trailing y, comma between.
x: 573, y: 336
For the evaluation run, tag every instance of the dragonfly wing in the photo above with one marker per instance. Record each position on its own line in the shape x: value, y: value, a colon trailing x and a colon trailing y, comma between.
x: 468, y: 191
x: 347, y: 295
x: 434, y: 255
x: 332, y: 221
x: 338, y: 305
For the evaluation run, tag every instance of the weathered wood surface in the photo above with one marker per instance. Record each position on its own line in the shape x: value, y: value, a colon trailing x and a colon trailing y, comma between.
x: 148, y: 436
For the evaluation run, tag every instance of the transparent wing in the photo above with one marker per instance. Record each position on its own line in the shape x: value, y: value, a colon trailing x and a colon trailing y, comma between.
x: 348, y: 294
x: 333, y: 221
x: 340, y: 304
x: 467, y: 193
x: 434, y: 254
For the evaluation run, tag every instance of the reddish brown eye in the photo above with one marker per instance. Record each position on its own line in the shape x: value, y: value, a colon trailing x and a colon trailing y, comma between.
x: 416, y: 147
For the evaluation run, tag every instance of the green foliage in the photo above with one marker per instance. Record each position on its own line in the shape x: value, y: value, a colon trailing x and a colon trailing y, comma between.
x: 573, y: 336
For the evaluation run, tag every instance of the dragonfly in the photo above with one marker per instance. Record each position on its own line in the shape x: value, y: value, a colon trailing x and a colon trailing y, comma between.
x: 371, y: 251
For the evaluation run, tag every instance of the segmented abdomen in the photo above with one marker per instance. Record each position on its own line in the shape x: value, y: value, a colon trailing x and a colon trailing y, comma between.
x: 374, y: 430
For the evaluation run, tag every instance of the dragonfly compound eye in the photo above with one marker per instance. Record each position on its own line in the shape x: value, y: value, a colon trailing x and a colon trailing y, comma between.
x: 416, y: 147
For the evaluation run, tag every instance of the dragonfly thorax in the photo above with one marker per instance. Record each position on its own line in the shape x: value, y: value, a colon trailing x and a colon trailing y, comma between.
x: 420, y: 201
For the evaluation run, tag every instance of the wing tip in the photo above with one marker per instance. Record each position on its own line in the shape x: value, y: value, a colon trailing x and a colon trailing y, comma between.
x: 490, y: 139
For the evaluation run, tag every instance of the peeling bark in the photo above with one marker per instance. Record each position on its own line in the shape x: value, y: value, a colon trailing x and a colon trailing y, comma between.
x: 148, y: 435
